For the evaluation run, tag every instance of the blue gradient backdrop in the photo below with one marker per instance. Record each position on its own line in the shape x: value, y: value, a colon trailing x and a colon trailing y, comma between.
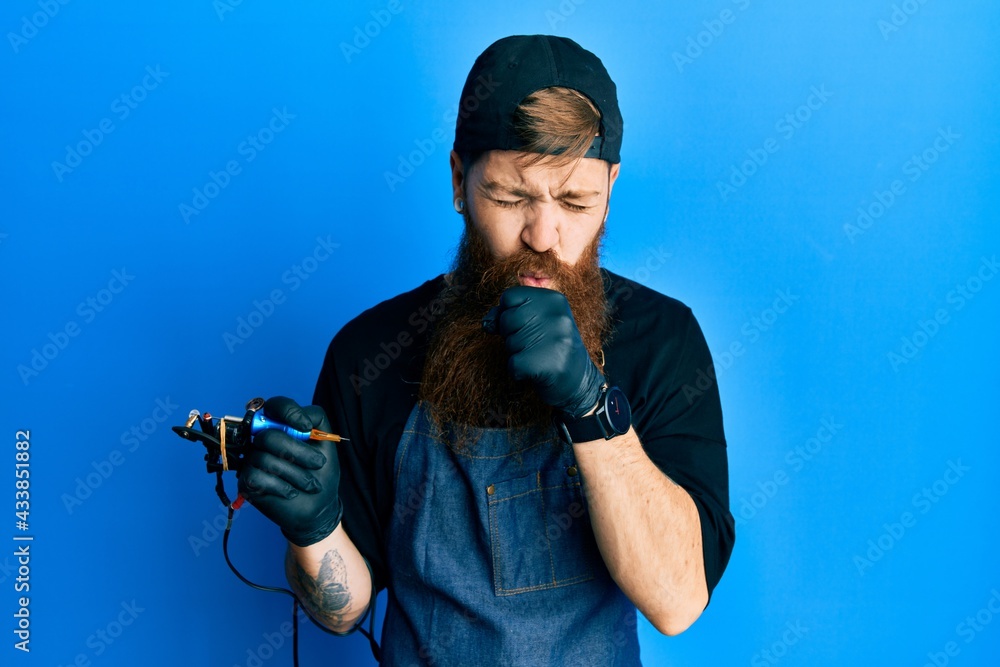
x: 818, y: 181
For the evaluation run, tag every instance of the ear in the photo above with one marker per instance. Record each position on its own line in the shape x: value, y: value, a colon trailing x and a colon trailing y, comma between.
x: 457, y: 177
x: 613, y: 176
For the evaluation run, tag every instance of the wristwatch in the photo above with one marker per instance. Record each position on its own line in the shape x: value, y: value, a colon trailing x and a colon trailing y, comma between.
x: 613, y: 417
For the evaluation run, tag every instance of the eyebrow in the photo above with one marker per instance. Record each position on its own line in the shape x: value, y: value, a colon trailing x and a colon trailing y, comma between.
x: 493, y: 186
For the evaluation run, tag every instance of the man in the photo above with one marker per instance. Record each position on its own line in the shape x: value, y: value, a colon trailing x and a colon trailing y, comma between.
x: 533, y: 461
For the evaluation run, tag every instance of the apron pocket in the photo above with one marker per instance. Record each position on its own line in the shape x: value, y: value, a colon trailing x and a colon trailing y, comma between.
x: 540, y: 533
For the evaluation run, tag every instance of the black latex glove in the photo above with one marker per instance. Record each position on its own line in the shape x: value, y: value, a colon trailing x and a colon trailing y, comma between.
x: 294, y: 483
x: 545, y: 347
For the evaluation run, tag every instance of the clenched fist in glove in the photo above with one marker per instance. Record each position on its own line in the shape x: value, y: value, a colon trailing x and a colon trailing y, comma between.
x: 545, y: 347
x: 294, y: 483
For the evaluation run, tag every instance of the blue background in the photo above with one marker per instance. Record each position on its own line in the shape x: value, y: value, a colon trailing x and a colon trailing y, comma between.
x: 821, y: 575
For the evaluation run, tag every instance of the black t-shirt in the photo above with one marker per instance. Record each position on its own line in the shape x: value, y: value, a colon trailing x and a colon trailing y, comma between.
x: 656, y: 354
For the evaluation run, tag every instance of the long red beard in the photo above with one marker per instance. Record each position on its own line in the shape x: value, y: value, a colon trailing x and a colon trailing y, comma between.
x: 465, y: 379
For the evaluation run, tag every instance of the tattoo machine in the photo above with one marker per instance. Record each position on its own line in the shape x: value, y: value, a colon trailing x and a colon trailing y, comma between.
x: 227, y: 439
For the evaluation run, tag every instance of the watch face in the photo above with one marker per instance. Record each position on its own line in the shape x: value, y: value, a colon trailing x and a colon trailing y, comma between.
x: 618, y: 410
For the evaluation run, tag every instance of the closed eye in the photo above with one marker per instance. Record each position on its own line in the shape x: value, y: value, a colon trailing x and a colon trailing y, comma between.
x: 503, y: 203
x: 514, y: 203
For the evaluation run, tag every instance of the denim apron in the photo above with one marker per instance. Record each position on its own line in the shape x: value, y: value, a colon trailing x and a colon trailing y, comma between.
x: 492, y: 558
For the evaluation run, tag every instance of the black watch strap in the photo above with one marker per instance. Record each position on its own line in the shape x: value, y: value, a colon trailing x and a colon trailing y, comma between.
x: 601, y: 425
x: 586, y: 429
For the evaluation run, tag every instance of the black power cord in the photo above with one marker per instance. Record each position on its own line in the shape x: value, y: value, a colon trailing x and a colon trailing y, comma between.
x: 376, y: 652
x: 220, y: 453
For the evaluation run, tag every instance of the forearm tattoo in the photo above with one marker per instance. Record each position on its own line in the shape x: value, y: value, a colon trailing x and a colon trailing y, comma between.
x: 326, y: 595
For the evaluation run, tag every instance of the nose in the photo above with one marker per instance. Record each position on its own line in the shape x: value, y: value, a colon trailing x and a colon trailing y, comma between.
x: 541, y: 227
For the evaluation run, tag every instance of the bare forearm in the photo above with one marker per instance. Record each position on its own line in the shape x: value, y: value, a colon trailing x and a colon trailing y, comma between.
x: 647, y: 529
x: 331, y: 580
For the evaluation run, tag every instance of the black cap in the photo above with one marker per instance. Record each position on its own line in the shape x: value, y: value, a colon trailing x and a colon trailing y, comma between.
x: 512, y: 68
